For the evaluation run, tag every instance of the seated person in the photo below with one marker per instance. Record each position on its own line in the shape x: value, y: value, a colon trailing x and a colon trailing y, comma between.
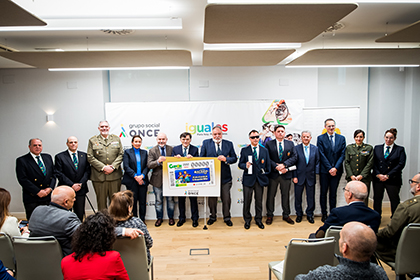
x: 93, y: 257
x: 406, y: 213
x: 8, y: 224
x: 120, y: 209
x: 355, y: 192
x: 357, y: 244
x: 57, y: 219
x: 5, y: 274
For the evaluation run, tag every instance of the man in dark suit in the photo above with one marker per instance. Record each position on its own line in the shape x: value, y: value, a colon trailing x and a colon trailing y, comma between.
x: 189, y: 151
x: 356, y: 210
x: 224, y: 151
x: 157, y: 155
x: 332, y: 147
x: 307, y: 166
x: 282, y: 155
x: 255, y: 162
x: 72, y: 169
x: 35, y: 173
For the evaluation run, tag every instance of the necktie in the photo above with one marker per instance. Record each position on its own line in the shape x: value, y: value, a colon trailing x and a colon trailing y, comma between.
x: 41, y: 165
x: 306, y: 154
x: 255, y: 154
x: 185, y: 152
x: 280, y: 152
x: 387, y: 151
x: 219, y: 151
x: 76, y: 163
x: 162, y: 152
x: 332, y: 141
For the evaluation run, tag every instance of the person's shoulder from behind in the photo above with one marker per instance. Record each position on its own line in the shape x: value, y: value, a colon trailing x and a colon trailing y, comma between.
x: 379, y: 272
x: 412, y: 202
x: 321, y: 273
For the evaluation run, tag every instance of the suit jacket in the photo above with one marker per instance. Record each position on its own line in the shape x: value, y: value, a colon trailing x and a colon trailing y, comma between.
x: 31, y: 178
x: 109, y: 266
x: 289, y: 157
x: 391, y: 166
x: 130, y: 167
x: 263, y: 163
x: 54, y: 220
x: 208, y: 149
x: 354, y: 212
x: 101, y: 154
x: 331, y: 157
x: 154, y: 154
x: 306, y: 171
x: 179, y: 150
x: 67, y: 174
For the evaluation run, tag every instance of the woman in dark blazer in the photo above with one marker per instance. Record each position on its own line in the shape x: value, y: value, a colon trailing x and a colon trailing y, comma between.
x: 389, y: 161
x: 135, y: 175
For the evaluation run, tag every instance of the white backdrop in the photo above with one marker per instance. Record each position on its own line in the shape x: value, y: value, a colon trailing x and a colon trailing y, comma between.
x: 237, y: 118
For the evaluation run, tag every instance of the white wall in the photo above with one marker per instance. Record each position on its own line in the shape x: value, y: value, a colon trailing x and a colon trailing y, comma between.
x: 26, y: 96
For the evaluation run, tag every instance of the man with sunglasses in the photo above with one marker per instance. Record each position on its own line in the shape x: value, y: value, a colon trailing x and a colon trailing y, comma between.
x: 255, y: 162
x: 406, y: 213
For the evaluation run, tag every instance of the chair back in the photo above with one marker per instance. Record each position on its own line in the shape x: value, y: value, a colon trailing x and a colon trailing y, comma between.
x: 303, y: 255
x: 38, y: 258
x: 134, y: 255
x: 7, y: 253
x: 407, y: 257
x: 334, y: 231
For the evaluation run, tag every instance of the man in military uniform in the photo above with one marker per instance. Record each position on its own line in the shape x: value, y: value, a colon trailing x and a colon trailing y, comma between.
x: 105, y: 154
x: 406, y: 213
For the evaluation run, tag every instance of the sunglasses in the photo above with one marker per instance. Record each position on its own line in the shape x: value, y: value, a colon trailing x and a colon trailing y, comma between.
x: 254, y: 137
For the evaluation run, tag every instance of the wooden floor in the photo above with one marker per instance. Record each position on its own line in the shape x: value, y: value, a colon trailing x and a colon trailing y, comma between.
x: 233, y: 252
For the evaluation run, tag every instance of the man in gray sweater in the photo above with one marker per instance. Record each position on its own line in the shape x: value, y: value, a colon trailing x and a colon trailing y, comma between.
x: 357, y: 244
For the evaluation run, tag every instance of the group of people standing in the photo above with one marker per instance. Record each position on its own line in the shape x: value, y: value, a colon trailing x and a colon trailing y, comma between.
x: 274, y: 165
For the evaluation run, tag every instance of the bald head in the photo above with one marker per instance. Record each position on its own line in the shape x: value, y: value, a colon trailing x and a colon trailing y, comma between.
x: 63, y: 196
x: 415, y: 184
x: 357, y: 241
x: 357, y: 191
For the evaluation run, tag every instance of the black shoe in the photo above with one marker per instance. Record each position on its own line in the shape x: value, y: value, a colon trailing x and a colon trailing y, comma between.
x: 180, y: 223
x: 211, y: 221
x: 195, y: 223
x: 288, y: 220
x: 158, y: 222
x: 260, y: 225
x: 229, y: 223
x: 247, y: 225
x: 298, y: 219
x: 324, y: 217
x: 310, y: 219
x: 171, y: 221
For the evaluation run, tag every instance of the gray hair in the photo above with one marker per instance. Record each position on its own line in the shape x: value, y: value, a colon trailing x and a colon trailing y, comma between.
x: 102, y: 122
x: 30, y: 140
x: 306, y: 131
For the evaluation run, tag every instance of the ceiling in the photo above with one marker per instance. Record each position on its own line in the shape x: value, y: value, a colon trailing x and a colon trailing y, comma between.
x: 365, y: 26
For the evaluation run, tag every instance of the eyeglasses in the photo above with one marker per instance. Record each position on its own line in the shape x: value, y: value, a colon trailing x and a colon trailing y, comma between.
x: 254, y: 137
x: 411, y: 182
x: 344, y: 189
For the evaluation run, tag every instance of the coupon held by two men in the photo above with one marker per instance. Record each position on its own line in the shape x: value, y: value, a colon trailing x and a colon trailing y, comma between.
x: 191, y: 177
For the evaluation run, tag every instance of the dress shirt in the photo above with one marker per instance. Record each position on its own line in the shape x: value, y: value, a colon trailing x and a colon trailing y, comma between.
x: 138, y: 162
x: 333, y: 138
x: 36, y: 160
x: 257, y: 150
x: 215, y: 144
x: 188, y: 149
x: 71, y: 155
x: 390, y: 148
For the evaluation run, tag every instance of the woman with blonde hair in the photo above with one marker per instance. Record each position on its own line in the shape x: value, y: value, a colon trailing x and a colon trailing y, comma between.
x: 121, y: 209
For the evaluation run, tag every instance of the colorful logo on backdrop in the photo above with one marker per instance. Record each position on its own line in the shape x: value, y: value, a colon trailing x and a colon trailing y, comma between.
x: 143, y: 129
x: 277, y: 113
x: 205, y: 129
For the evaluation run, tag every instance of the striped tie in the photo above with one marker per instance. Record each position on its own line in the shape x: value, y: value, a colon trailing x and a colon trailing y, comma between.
x: 387, y: 151
x: 255, y: 154
x: 41, y: 165
x: 76, y: 163
x: 280, y: 152
x: 185, y: 152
